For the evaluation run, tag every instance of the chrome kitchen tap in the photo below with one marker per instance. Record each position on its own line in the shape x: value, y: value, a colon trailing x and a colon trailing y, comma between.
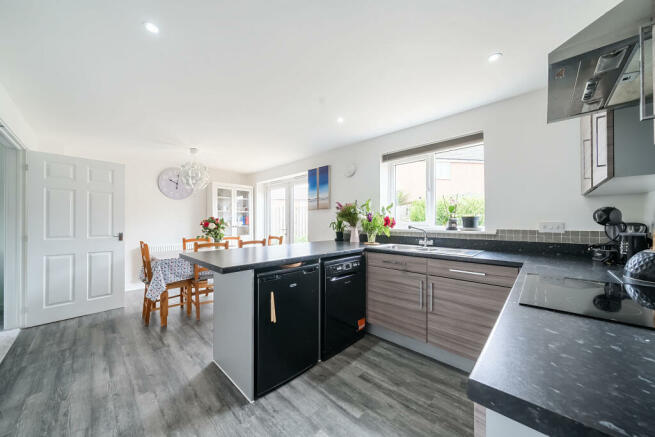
x: 425, y: 235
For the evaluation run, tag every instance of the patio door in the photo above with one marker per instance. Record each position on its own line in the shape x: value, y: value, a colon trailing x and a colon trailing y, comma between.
x: 75, y: 252
x: 287, y: 209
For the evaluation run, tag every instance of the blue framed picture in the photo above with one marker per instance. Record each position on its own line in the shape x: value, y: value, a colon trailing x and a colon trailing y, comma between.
x: 312, y: 187
x: 324, y: 187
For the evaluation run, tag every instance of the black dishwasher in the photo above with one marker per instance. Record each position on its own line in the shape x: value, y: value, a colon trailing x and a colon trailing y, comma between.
x: 286, y: 339
x: 343, y: 304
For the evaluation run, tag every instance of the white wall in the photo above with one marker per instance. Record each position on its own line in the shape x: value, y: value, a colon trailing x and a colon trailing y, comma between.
x: 11, y: 116
x: 149, y: 215
x: 531, y: 168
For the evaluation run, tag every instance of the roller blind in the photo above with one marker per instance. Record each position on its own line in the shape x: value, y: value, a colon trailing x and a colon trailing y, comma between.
x: 467, y: 140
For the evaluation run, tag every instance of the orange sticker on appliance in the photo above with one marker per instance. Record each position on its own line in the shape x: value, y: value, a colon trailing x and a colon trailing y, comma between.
x: 361, y: 323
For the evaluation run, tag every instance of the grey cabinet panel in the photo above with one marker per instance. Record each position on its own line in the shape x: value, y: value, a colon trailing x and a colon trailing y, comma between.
x: 398, y: 262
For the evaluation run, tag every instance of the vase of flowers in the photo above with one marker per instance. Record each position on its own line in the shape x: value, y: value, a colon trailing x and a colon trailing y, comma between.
x: 452, y: 204
x: 213, y: 227
x: 376, y: 222
x: 349, y: 213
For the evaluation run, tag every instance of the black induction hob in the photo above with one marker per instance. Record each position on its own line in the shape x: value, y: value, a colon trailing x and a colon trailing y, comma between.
x: 613, y: 301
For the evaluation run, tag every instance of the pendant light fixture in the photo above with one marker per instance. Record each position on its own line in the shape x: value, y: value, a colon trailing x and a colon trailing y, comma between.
x: 194, y: 174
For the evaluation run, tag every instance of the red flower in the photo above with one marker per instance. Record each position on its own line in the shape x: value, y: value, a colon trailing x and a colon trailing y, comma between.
x: 387, y: 221
x: 205, y: 224
x: 393, y: 222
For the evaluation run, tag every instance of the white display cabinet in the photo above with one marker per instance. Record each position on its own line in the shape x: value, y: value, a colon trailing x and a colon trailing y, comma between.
x: 234, y: 204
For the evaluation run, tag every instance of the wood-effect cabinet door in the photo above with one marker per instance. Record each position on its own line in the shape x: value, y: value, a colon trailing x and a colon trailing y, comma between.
x: 396, y: 300
x: 586, y: 160
x: 461, y: 314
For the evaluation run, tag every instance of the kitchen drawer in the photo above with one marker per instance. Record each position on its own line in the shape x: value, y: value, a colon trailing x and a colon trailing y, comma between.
x: 396, y: 300
x: 397, y: 262
x: 461, y: 314
x: 474, y: 272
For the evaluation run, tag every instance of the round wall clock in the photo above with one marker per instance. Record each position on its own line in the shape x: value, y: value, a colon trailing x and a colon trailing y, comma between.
x: 350, y: 170
x: 171, y: 186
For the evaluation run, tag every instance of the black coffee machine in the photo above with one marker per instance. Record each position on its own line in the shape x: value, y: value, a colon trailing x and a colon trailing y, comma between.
x: 625, y: 239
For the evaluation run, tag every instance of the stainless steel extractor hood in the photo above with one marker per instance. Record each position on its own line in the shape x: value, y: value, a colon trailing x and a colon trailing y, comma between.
x: 599, y: 67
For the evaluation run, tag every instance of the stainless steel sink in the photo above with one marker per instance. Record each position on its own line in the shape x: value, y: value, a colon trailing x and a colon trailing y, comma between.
x: 436, y: 250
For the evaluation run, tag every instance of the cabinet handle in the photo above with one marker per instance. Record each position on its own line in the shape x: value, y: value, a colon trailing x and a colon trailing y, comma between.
x: 273, y: 316
x: 467, y: 272
x: 431, y: 294
x: 420, y: 294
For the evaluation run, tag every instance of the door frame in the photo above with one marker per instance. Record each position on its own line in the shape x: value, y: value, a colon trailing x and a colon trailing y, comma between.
x: 287, y: 183
x: 15, y: 255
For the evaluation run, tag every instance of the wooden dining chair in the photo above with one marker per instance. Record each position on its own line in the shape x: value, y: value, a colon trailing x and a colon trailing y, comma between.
x: 187, y: 241
x: 271, y: 238
x: 245, y: 243
x: 150, y: 306
x: 231, y: 239
x: 201, y: 285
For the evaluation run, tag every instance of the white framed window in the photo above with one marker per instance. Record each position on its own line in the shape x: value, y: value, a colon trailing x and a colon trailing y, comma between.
x: 422, y: 186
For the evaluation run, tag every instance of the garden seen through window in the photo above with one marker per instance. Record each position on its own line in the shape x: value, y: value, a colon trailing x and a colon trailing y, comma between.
x: 424, y: 186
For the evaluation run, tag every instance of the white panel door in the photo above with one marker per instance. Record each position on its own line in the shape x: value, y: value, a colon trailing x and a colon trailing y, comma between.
x: 75, y: 258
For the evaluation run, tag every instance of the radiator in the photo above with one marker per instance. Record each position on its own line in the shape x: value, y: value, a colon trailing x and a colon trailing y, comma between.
x: 168, y: 247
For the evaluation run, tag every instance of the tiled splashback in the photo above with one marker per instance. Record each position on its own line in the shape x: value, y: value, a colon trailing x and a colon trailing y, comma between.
x: 573, y: 237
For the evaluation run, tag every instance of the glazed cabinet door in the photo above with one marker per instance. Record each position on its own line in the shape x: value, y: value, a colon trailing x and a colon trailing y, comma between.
x: 461, y: 314
x: 396, y: 300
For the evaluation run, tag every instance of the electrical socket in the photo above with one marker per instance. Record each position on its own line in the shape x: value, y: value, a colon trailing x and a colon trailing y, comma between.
x: 552, y: 227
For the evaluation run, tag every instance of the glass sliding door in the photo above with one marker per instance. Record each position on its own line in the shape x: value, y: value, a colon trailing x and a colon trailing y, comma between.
x: 299, y: 222
x: 277, y: 211
x: 287, y: 209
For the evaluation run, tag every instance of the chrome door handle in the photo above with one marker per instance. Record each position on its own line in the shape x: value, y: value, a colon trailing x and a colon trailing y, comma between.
x: 431, y: 294
x: 467, y: 272
x: 420, y: 294
x: 119, y: 236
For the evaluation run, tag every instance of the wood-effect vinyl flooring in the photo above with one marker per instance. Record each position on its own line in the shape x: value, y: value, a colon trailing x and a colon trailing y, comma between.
x: 107, y: 375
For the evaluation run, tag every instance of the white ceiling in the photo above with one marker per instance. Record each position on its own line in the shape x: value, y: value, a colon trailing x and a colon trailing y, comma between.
x: 255, y: 84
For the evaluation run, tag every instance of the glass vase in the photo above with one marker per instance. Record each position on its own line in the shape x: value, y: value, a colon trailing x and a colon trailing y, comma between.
x: 371, y: 237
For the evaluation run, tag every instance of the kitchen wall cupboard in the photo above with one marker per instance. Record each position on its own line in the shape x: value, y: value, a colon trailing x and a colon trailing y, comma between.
x: 449, y: 304
x: 616, y: 153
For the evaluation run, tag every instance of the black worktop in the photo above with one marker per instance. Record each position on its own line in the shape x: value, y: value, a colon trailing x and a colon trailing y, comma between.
x: 249, y: 258
x: 558, y: 373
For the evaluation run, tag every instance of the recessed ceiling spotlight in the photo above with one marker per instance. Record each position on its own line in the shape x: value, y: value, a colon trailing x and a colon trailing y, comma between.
x: 151, y: 27
x: 340, y: 120
x: 495, y: 56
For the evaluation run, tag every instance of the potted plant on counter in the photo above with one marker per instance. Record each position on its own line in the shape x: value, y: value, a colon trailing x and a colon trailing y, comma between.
x: 375, y: 223
x: 452, y: 204
x: 349, y: 213
x: 338, y: 227
x: 213, y: 227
